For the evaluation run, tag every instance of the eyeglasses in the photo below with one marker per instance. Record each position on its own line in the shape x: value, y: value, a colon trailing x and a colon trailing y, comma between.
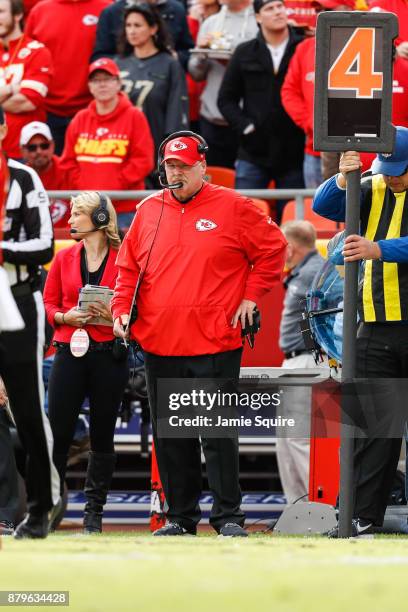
x: 44, y: 146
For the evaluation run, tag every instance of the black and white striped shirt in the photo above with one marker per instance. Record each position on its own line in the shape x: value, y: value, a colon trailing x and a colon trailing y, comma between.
x: 28, y: 239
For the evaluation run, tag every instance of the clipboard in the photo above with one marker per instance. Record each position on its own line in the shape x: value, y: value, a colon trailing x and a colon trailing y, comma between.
x: 89, y: 294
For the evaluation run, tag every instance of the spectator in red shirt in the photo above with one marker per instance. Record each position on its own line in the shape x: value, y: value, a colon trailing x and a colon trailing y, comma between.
x: 108, y: 144
x: 400, y: 8
x: 297, y: 94
x: 38, y: 152
x: 25, y: 72
x: 68, y: 29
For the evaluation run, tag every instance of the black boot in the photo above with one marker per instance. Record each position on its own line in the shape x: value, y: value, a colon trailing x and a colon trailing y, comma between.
x: 97, y: 483
x: 33, y: 526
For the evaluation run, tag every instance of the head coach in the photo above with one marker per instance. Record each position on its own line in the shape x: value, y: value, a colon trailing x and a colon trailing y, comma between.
x: 204, y: 255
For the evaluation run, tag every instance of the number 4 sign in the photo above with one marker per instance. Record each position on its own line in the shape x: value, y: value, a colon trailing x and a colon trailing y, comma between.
x: 353, y: 82
x: 353, y: 69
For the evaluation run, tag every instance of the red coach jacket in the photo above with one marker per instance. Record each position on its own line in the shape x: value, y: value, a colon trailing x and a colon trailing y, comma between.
x: 62, y: 289
x: 109, y: 152
x: 208, y: 256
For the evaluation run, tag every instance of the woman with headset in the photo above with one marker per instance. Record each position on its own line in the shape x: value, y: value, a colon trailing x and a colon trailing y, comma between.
x: 85, y: 364
x: 151, y: 74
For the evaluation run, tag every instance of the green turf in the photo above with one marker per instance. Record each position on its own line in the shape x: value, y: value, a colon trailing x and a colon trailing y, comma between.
x: 141, y: 573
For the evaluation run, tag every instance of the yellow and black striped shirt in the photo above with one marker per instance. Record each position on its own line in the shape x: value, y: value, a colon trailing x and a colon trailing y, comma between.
x: 383, y: 285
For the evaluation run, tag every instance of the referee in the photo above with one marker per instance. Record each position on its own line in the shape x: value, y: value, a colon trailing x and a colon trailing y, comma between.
x: 26, y: 244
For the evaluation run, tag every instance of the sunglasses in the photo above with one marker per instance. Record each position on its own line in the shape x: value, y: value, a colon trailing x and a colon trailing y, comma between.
x: 44, y: 146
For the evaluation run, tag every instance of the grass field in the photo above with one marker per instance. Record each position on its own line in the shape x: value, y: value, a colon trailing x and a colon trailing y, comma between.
x: 125, y: 571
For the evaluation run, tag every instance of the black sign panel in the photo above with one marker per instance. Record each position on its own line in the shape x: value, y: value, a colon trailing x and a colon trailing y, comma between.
x: 353, y: 82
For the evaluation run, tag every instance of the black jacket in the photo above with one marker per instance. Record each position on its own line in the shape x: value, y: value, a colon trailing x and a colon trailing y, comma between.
x: 250, y: 93
x: 111, y: 22
x: 28, y: 239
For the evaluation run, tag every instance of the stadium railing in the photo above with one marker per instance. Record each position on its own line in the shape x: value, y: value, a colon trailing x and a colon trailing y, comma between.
x: 298, y: 195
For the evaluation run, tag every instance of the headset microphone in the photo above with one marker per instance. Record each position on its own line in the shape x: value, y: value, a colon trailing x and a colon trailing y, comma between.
x: 74, y: 231
x: 170, y: 185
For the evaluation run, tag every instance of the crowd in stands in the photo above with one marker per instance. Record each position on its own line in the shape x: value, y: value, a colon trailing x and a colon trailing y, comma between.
x: 90, y: 94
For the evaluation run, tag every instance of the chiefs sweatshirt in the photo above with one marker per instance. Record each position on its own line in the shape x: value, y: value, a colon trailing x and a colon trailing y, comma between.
x: 109, y: 152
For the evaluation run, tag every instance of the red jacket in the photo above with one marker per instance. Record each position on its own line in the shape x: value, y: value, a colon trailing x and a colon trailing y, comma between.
x: 399, y: 103
x: 298, y: 90
x: 26, y: 63
x: 62, y: 287
x: 208, y: 256
x: 400, y: 92
x: 68, y: 29
x: 109, y: 152
x: 400, y: 8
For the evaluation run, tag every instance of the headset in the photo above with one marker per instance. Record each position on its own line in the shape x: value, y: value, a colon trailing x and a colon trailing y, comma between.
x: 202, y: 147
x: 100, y: 216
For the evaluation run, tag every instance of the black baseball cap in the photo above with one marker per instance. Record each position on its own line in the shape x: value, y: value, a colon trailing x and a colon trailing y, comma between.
x: 258, y: 4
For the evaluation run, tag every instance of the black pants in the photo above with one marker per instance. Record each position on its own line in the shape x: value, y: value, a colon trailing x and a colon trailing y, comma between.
x: 179, y: 460
x: 95, y: 375
x: 21, y: 355
x: 382, y: 352
x: 9, y: 496
x: 222, y: 143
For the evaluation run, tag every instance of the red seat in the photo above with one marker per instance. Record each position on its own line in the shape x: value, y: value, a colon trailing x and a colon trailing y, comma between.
x: 221, y: 176
x: 324, y: 227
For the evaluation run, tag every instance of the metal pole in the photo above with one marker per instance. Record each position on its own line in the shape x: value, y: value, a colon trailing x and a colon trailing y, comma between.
x: 346, y: 501
x: 300, y: 207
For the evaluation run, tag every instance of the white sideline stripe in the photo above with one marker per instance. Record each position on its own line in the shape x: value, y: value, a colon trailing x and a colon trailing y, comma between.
x: 55, y: 480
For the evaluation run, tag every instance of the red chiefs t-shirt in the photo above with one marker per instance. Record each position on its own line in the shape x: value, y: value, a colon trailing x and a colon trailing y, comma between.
x: 26, y: 64
x: 68, y: 29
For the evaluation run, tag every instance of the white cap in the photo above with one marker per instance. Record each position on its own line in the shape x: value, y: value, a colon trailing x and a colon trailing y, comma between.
x: 34, y: 128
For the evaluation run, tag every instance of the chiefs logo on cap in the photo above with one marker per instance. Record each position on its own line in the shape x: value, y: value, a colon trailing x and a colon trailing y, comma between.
x: 177, y: 145
x: 204, y: 225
